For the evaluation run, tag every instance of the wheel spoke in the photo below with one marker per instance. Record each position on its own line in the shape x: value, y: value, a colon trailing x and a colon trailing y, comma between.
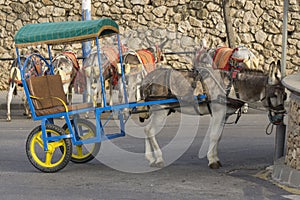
x: 90, y: 134
x: 40, y: 141
x: 57, y: 144
x: 79, y: 150
x: 49, y: 155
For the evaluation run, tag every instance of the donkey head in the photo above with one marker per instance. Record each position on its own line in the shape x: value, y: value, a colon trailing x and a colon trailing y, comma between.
x: 64, y: 67
x: 275, y: 95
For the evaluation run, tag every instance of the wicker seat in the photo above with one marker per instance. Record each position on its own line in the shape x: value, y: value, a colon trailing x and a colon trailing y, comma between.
x: 48, y: 96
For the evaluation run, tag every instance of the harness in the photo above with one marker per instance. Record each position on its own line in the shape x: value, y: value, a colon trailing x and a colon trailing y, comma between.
x: 232, y: 64
x: 225, y: 61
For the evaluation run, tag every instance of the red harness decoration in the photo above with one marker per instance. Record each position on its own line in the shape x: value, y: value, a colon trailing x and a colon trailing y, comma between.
x: 18, y: 82
x: 222, y: 57
x: 78, y: 80
x: 148, y: 59
x: 73, y: 58
x: 113, y: 57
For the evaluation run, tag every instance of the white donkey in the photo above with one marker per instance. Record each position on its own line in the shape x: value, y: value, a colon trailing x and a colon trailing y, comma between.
x: 64, y: 64
x: 109, y: 60
x: 252, y: 85
x: 14, y: 83
x: 35, y: 67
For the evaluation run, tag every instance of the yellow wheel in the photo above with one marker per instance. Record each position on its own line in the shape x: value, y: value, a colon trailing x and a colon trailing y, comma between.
x: 86, y: 152
x: 58, y: 154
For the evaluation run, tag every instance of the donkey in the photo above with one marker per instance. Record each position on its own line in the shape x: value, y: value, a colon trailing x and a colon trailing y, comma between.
x: 137, y: 65
x: 14, y: 83
x: 64, y: 64
x: 249, y: 85
x: 35, y: 68
x: 109, y: 59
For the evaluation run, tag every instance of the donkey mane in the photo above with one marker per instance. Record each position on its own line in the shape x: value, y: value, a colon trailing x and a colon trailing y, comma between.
x: 252, y: 75
x: 254, y: 71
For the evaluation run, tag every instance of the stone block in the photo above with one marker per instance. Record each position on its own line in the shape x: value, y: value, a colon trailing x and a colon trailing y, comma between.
x: 294, y: 179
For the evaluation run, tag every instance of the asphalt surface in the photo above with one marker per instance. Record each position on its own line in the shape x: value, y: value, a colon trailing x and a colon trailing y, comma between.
x: 245, y: 152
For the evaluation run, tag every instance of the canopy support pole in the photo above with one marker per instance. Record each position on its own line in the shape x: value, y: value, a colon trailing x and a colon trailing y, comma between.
x: 281, y: 129
x: 86, y: 46
x: 86, y: 15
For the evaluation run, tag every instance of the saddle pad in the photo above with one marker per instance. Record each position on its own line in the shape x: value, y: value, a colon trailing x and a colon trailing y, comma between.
x: 221, y: 58
x: 112, y: 55
x: 148, y: 59
x: 73, y: 58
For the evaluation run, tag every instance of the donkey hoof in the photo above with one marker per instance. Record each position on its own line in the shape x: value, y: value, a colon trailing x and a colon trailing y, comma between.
x: 142, y: 120
x: 216, y: 165
x: 160, y: 164
x: 153, y: 164
x: 157, y: 164
x: 8, y: 119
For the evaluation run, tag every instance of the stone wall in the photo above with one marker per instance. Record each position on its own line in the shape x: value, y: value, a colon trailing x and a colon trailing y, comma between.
x: 257, y: 23
x: 292, y: 157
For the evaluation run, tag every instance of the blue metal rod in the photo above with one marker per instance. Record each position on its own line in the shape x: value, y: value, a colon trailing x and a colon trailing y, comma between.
x: 109, y: 118
x: 101, y: 72
x: 134, y: 104
x: 44, y: 134
x: 122, y: 69
x: 114, y: 135
x: 50, y: 58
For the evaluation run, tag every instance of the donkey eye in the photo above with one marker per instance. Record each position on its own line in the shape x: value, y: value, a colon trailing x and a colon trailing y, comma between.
x: 284, y: 96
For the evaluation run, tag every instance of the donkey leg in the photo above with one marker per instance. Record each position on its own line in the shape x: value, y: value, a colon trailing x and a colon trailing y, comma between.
x: 98, y: 94
x: 9, y: 99
x: 138, y: 87
x: 217, y: 125
x: 148, y: 152
x: 88, y: 94
x: 155, y: 158
x: 157, y: 152
x: 70, y: 94
x: 26, y: 106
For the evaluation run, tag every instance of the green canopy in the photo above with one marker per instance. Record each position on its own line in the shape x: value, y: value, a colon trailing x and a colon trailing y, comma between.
x: 63, y: 32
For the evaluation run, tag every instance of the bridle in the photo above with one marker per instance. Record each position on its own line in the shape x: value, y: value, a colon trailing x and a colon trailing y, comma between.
x: 276, y: 113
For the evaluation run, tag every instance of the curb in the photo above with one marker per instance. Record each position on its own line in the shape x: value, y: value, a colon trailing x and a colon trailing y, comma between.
x: 285, y: 175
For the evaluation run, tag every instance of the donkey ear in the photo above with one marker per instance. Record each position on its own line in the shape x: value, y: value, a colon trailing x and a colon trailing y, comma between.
x: 274, y: 73
x: 278, y: 70
x: 279, y: 64
x: 272, y: 70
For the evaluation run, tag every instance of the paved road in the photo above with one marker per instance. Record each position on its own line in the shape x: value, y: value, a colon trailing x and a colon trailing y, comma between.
x: 245, y: 150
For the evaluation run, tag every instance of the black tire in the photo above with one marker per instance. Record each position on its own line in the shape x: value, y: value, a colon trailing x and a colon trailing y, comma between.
x: 87, y: 151
x: 60, y: 151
